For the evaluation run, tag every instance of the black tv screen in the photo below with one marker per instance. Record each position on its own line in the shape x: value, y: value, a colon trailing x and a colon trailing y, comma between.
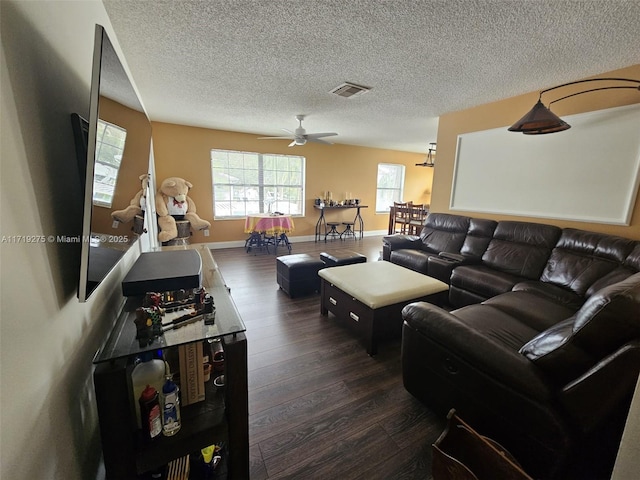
x: 113, y: 148
x: 80, y: 128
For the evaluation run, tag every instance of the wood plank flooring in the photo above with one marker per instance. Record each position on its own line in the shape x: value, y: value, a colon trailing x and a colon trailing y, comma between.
x: 319, y: 406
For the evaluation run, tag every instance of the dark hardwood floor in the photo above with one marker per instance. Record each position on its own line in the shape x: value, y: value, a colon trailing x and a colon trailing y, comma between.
x: 319, y: 406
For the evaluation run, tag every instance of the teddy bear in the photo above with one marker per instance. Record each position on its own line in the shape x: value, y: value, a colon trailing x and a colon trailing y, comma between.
x: 137, y: 205
x: 172, y: 201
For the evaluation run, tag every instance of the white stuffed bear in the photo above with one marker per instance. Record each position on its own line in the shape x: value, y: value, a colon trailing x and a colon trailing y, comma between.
x: 172, y: 201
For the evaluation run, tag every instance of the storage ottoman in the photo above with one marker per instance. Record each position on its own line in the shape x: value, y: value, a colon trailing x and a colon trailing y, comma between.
x: 369, y: 297
x: 342, y: 257
x: 298, y: 274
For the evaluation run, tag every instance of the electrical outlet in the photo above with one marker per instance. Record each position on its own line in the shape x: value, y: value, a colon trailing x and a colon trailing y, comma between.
x: 206, y: 232
x: 115, y: 224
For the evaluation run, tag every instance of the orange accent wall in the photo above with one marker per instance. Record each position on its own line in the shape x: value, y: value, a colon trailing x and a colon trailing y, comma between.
x: 505, y: 113
x: 184, y: 151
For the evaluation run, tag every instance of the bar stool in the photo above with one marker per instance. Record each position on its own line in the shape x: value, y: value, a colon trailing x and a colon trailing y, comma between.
x: 348, y: 231
x: 333, y: 231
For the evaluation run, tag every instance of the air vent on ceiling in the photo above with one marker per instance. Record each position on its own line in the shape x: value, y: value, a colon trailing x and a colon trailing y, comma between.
x: 348, y: 90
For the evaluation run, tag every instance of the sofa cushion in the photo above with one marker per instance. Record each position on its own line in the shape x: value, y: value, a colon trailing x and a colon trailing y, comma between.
x: 553, y: 292
x: 483, y: 280
x: 444, y: 233
x: 521, y: 248
x: 610, y: 318
x: 630, y: 266
x: 633, y: 259
x: 614, y: 276
x: 531, y: 308
x: 606, y: 321
x: 496, y: 325
x: 478, y: 237
x: 416, y: 260
x: 580, y: 258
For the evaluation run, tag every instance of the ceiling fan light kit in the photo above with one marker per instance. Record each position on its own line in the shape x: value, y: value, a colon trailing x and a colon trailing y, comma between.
x: 541, y: 120
x: 301, y: 137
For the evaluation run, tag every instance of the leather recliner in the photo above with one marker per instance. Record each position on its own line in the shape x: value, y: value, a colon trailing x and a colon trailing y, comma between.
x: 538, y: 375
x: 463, y: 238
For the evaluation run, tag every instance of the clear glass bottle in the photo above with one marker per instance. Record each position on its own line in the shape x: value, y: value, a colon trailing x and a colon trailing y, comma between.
x: 170, y: 408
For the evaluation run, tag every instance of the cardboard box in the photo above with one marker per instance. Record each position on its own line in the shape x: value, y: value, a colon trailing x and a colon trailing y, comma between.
x: 190, y: 357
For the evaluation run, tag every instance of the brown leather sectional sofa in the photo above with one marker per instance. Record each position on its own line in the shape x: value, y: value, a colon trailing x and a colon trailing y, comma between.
x: 540, y: 348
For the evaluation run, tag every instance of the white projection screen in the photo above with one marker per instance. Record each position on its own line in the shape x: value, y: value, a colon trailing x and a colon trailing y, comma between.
x: 588, y: 173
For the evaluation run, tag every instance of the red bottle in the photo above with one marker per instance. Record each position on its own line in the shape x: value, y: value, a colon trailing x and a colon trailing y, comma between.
x: 150, y: 414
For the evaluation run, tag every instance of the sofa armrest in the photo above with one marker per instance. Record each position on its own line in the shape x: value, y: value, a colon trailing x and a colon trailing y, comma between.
x: 453, y: 257
x: 440, y: 267
x: 399, y: 242
x: 594, y: 398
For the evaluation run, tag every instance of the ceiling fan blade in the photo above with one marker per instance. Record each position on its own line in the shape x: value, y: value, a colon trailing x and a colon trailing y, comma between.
x: 287, y: 137
x: 319, y: 135
x: 300, y: 136
x: 318, y: 140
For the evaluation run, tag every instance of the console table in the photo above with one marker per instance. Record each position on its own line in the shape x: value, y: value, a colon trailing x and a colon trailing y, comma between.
x: 221, y: 417
x: 321, y: 224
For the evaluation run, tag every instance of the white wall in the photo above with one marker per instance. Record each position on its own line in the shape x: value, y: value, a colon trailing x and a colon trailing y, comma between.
x: 48, y: 428
x: 627, y: 465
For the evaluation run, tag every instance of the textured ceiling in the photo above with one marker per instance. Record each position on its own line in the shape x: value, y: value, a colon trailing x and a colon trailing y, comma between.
x: 251, y: 66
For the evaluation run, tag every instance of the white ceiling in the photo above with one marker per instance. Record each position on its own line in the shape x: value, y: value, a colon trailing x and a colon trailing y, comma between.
x: 252, y: 65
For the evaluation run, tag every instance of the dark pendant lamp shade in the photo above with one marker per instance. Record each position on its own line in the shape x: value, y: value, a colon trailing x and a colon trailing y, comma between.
x: 539, y: 120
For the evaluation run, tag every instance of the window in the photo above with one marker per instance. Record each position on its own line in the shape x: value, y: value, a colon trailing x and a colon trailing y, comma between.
x: 248, y: 182
x: 390, y: 186
x: 110, y: 140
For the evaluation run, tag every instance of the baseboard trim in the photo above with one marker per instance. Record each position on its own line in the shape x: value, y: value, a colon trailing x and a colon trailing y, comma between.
x: 292, y: 239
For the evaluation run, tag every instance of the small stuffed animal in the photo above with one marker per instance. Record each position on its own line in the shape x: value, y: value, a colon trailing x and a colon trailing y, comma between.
x: 137, y: 205
x: 172, y: 201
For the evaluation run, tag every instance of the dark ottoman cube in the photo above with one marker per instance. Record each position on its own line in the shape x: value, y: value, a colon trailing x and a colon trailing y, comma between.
x: 342, y: 257
x: 298, y: 274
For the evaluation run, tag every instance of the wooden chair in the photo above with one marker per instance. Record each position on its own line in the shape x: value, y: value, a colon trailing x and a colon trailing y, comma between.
x: 417, y: 216
x: 402, y: 211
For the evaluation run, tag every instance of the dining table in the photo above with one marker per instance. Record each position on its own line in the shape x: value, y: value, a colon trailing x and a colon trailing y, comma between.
x: 266, y: 229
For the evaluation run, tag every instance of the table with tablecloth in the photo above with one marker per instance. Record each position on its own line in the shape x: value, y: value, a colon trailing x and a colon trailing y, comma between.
x: 268, y: 229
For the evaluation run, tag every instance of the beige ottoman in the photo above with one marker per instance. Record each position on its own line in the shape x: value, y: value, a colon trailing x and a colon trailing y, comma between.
x: 370, y: 297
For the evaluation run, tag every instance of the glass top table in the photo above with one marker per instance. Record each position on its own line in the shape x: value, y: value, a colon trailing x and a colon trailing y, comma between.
x: 122, y: 341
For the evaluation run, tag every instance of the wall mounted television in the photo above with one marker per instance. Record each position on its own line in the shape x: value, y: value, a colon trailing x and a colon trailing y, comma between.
x: 113, y: 149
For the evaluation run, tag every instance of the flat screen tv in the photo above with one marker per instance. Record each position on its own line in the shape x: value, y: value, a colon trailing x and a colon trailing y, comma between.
x: 113, y: 147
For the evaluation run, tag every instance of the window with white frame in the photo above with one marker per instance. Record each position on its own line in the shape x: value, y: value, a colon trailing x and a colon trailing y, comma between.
x: 110, y: 140
x: 246, y: 183
x: 390, y: 186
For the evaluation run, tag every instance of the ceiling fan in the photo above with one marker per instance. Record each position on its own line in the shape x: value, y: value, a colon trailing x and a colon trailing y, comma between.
x: 300, y: 135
